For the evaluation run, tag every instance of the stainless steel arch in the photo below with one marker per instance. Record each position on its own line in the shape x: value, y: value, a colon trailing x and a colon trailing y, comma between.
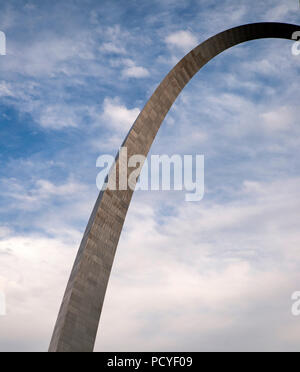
x: 79, y: 315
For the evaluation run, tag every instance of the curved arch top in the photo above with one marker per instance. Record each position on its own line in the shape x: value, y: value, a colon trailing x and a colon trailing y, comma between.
x: 78, y: 319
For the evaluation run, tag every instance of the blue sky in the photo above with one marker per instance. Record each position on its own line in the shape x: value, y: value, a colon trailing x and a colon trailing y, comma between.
x: 215, y: 275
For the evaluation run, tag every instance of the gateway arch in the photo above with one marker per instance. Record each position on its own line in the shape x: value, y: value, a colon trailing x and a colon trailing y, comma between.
x: 79, y: 315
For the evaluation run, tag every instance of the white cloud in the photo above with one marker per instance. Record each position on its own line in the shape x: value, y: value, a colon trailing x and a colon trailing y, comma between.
x: 135, y: 72
x: 280, y: 119
x: 50, y: 57
x: 40, y: 193
x: 34, y: 271
x: 4, y: 232
x: 118, y: 119
x: 58, y: 117
x: 182, y: 285
x: 175, y: 285
x: 47, y: 189
x: 279, y: 11
x: 182, y: 40
x: 109, y: 143
x: 6, y: 89
x: 117, y: 116
x: 112, y: 48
